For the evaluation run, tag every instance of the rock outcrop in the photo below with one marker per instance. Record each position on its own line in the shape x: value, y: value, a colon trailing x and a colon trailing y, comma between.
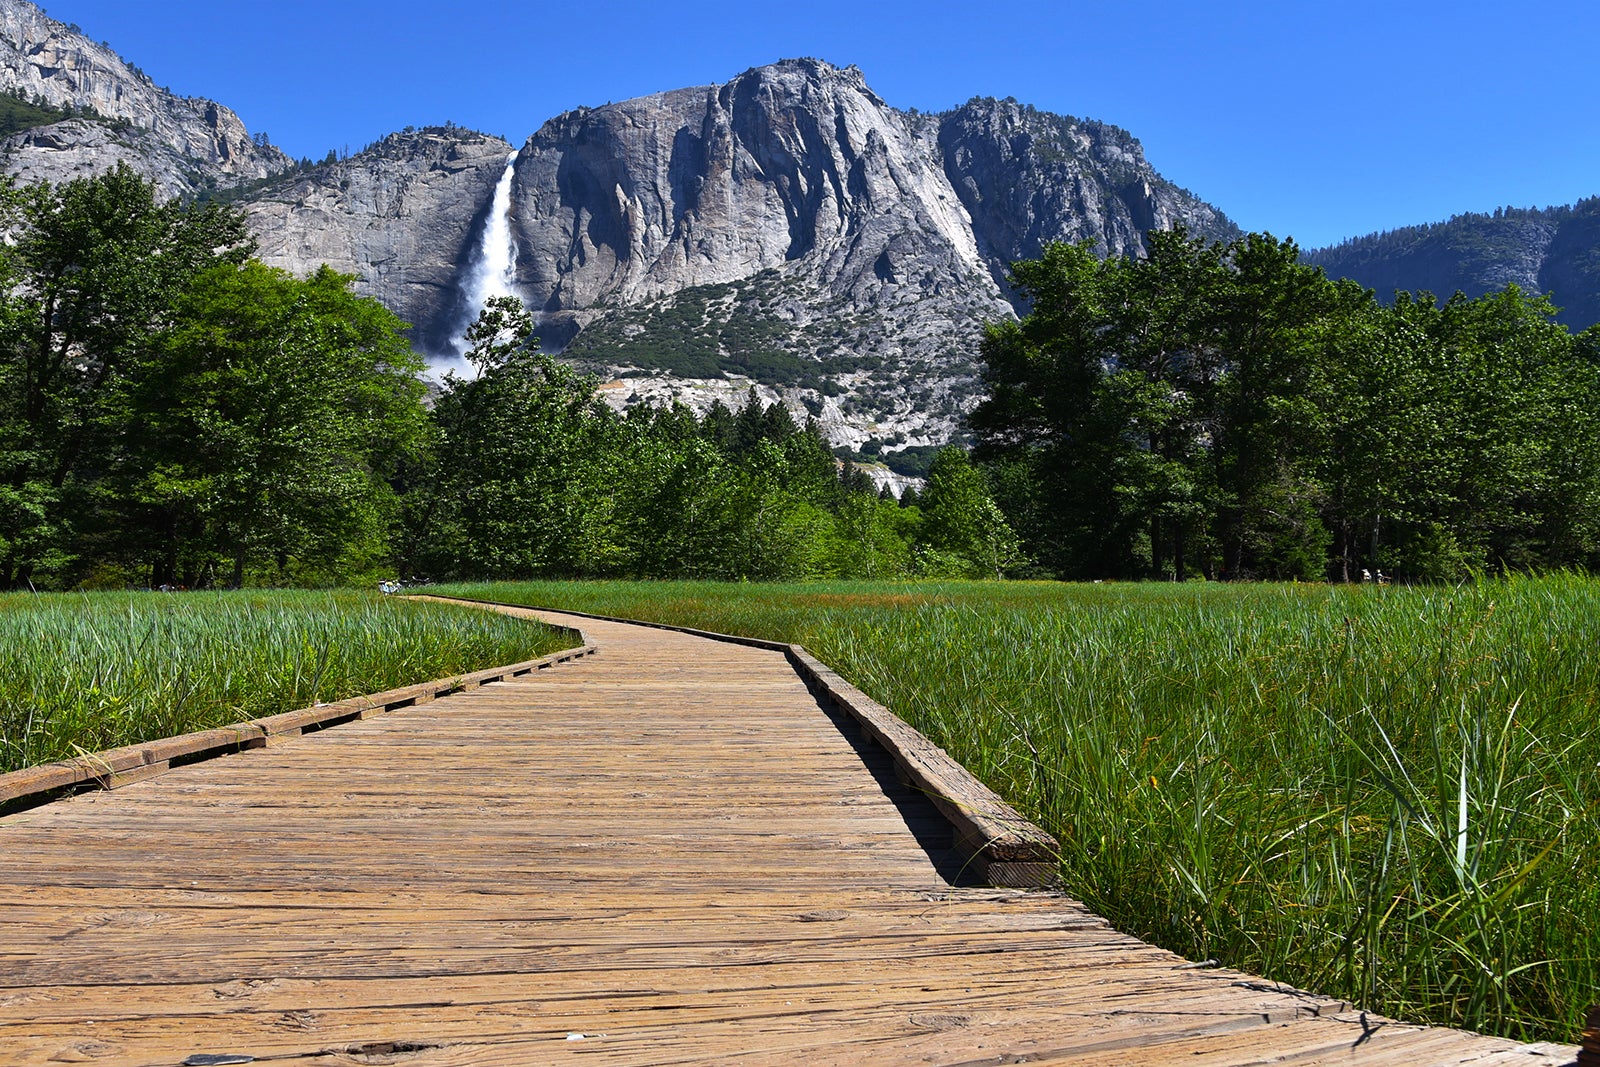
x: 793, y: 164
x: 792, y: 227
x: 400, y: 216
x: 185, y: 144
x: 788, y: 229
x: 1029, y: 178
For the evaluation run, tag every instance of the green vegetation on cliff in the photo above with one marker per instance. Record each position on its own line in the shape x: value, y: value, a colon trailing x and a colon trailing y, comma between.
x: 17, y: 113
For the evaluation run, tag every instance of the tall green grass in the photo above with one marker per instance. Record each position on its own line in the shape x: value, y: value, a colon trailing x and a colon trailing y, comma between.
x: 81, y: 673
x: 1390, y: 795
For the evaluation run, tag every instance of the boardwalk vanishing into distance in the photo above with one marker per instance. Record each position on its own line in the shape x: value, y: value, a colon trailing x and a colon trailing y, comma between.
x: 663, y: 853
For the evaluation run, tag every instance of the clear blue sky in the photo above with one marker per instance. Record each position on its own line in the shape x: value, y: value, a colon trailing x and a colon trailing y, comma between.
x: 1309, y: 119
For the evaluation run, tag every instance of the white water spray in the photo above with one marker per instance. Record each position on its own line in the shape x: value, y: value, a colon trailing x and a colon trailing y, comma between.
x: 494, y: 267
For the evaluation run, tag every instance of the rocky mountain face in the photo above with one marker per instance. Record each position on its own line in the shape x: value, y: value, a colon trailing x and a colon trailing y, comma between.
x: 787, y: 231
x: 791, y: 228
x: 1555, y: 251
x: 184, y: 144
x: 1029, y: 178
x: 402, y: 216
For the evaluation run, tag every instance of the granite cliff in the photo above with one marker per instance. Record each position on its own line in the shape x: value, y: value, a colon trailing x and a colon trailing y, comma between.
x: 792, y: 228
x: 788, y: 230
x: 401, y: 216
x: 184, y: 144
x: 1028, y: 178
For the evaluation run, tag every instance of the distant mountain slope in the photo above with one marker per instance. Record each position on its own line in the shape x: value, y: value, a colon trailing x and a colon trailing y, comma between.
x: 1555, y: 251
x: 185, y: 144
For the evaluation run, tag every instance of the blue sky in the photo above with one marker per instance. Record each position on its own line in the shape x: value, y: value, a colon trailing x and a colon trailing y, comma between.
x: 1312, y: 120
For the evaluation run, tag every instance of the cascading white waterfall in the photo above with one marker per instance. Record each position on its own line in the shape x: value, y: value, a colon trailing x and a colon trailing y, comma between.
x: 494, y: 266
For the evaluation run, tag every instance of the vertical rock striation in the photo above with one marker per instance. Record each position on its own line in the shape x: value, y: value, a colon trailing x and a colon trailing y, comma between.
x: 797, y: 166
x: 1028, y: 178
x: 792, y: 227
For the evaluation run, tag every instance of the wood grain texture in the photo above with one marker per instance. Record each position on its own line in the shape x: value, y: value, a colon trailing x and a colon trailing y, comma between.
x: 995, y: 843
x: 664, y: 853
x: 135, y: 763
x: 1590, y: 1055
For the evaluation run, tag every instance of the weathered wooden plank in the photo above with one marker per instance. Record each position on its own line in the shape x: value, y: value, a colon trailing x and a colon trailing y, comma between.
x: 1009, y: 849
x: 133, y: 763
x: 1590, y: 1056
x: 999, y: 846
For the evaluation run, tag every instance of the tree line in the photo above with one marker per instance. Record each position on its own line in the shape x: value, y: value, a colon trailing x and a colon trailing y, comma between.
x: 175, y: 413
x: 1227, y: 411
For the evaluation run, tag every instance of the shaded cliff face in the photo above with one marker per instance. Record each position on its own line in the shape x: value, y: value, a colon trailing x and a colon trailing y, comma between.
x: 183, y: 143
x: 1570, y: 272
x: 1555, y: 251
x: 1028, y: 178
x: 400, y: 216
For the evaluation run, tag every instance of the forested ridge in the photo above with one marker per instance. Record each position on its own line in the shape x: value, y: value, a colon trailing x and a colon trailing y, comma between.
x: 1545, y: 250
x: 174, y: 413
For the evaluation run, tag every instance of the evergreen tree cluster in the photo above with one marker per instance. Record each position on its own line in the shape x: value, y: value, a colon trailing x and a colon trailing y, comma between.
x: 1228, y: 411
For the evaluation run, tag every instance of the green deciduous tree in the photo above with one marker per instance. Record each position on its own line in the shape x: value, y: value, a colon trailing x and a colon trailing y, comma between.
x: 1225, y: 408
x: 269, y: 424
x: 90, y: 285
x: 524, y: 481
x: 963, y: 532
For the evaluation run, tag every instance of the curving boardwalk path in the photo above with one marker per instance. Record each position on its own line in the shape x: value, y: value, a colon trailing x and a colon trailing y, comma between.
x: 663, y: 853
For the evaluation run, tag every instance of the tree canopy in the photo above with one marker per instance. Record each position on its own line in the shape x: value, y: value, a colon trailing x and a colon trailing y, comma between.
x: 171, y: 408
x: 531, y: 475
x: 1227, y: 410
x: 173, y: 412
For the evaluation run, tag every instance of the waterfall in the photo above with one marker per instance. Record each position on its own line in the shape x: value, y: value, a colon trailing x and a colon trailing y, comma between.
x: 494, y: 266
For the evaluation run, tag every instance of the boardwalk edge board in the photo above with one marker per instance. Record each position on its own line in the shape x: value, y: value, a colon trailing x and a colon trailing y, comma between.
x: 996, y: 844
x: 123, y: 766
x: 1589, y: 1054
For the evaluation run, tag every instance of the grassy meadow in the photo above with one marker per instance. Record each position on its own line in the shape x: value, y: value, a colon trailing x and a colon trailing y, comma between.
x: 1386, y: 794
x: 85, y: 672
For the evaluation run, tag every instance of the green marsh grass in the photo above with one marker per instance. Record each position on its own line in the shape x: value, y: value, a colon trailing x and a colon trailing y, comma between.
x: 1389, y: 795
x: 83, y: 673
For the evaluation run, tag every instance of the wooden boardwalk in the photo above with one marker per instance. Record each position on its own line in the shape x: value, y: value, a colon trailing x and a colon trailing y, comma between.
x: 662, y: 853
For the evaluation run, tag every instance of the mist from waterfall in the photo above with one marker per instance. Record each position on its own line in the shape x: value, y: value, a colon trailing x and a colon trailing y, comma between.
x: 493, y: 271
